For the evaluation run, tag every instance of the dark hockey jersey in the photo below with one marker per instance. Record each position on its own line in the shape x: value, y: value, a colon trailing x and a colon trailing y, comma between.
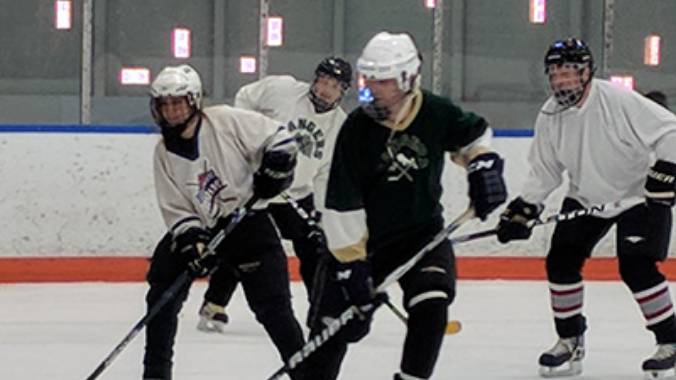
x: 395, y: 175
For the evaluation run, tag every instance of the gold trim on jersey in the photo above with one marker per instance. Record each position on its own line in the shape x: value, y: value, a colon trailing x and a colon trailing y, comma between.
x: 408, y: 112
x: 354, y: 252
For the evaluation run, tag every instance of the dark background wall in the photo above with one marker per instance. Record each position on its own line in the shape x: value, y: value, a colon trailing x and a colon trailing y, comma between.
x: 492, y: 56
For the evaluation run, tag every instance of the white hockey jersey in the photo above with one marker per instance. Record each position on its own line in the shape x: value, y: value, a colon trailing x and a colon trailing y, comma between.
x: 231, y: 142
x: 605, y: 147
x: 284, y: 98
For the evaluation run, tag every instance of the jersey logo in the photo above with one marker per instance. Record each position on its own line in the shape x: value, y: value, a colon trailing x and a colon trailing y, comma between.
x: 404, y: 154
x: 209, y: 187
x: 634, y: 239
x: 309, y: 137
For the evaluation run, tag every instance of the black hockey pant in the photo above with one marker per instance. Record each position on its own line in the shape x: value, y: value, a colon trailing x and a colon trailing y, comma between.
x: 292, y: 227
x: 642, y: 240
x: 429, y: 287
x: 253, y: 245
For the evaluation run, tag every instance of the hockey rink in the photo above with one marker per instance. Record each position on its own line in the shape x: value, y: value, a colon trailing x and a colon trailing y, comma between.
x: 63, y: 331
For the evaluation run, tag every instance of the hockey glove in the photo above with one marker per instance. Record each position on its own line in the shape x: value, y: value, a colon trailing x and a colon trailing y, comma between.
x: 354, y: 279
x: 275, y: 174
x: 191, y: 244
x: 514, y: 221
x: 487, y: 188
x: 660, y: 185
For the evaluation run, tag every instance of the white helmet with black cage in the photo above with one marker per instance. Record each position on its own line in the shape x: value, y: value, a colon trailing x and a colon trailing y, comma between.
x: 388, y: 56
x: 176, y: 81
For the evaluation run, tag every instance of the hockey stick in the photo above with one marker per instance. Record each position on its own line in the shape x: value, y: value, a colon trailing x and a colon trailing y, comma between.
x: 182, y: 280
x: 452, y: 327
x: 316, y: 341
x: 564, y: 216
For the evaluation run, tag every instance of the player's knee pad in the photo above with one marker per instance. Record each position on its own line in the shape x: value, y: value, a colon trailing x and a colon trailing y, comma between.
x: 433, y: 283
x: 639, y: 271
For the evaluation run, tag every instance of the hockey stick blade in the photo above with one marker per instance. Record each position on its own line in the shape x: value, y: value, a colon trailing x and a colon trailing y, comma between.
x: 182, y: 280
x: 565, y: 216
x: 315, y: 342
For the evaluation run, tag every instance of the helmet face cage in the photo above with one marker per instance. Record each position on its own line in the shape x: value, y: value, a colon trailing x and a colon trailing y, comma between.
x: 574, y: 53
x: 338, y: 69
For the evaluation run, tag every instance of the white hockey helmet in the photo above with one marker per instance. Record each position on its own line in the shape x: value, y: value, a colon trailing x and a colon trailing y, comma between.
x: 391, y: 56
x: 176, y: 81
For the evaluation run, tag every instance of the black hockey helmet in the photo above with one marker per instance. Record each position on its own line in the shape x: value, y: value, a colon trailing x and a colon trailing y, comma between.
x: 337, y: 68
x: 570, y: 50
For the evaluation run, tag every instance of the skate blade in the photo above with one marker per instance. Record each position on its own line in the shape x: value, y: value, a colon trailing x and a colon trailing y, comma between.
x: 570, y: 368
x: 210, y: 326
x: 656, y: 374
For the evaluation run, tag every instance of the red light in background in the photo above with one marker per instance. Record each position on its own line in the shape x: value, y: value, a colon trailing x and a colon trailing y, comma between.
x: 63, y: 14
x: 537, y: 13
x: 181, y: 43
x: 134, y: 76
x: 652, y: 50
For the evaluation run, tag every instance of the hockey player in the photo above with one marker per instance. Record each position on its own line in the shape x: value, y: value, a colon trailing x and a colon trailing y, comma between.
x: 387, y: 162
x: 210, y: 162
x: 603, y: 137
x: 312, y: 113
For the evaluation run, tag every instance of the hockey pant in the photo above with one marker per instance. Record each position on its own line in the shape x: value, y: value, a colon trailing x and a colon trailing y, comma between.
x: 292, y: 227
x: 429, y: 287
x: 642, y: 240
x: 252, y: 245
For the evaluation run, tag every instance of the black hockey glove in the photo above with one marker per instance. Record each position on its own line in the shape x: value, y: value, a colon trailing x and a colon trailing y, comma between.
x: 660, y: 185
x: 356, y: 283
x: 275, y: 174
x: 191, y: 244
x: 487, y: 188
x: 514, y: 221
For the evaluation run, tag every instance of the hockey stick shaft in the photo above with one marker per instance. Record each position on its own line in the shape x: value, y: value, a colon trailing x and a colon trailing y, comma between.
x: 181, y: 281
x: 451, y: 326
x: 316, y: 341
x: 564, y: 216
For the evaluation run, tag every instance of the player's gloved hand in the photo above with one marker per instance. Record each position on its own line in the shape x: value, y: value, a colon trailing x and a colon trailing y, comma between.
x: 315, y: 231
x: 660, y: 185
x: 514, y: 221
x: 275, y: 174
x: 191, y: 244
x: 487, y: 188
x: 355, y: 279
x: 356, y: 283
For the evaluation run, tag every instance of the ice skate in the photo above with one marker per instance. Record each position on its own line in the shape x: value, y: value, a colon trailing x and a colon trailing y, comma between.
x: 212, y: 318
x: 564, y: 359
x: 662, y: 361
